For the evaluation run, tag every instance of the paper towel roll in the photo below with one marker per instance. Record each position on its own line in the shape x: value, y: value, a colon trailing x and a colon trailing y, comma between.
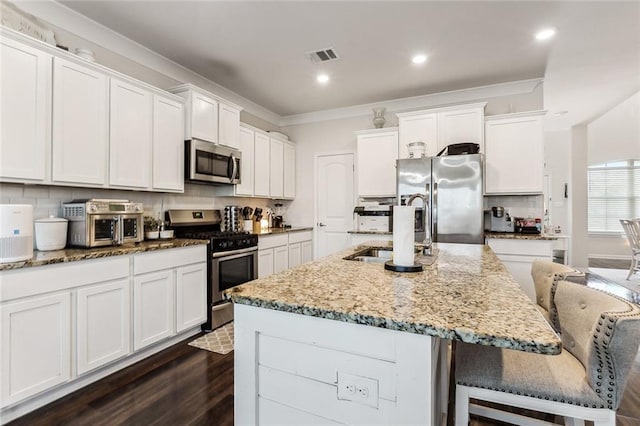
x: 403, y: 235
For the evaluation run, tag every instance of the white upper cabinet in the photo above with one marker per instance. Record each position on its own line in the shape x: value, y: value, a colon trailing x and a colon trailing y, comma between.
x: 80, y: 124
x: 130, y: 135
x: 514, y: 161
x: 461, y: 125
x: 245, y: 187
x: 262, y: 149
x: 276, y: 171
x: 376, y: 162
x: 209, y: 117
x: 204, y: 119
x: 229, y: 126
x: 25, y: 108
x: 440, y: 127
x: 289, y: 170
x: 422, y: 127
x: 168, y: 146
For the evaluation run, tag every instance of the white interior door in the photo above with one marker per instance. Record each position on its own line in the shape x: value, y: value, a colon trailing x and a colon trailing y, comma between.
x: 334, y: 202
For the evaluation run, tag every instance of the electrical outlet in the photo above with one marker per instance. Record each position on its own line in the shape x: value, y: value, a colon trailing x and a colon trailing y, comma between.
x: 362, y: 391
x: 359, y: 389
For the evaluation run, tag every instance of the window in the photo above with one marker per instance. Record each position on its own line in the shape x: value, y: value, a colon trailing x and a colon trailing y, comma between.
x: 614, y: 194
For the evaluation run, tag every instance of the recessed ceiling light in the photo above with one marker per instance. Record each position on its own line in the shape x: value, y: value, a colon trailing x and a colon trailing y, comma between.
x: 322, y: 78
x: 545, y: 34
x: 419, y: 59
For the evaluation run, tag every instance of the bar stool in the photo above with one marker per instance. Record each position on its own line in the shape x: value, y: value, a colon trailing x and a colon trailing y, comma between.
x: 632, y: 229
x: 545, y: 276
x: 600, y: 335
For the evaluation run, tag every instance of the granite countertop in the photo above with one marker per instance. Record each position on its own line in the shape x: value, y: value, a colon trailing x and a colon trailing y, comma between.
x: 41, y: 258
x: 273, y: 231
x: 517, y: 236
x: 466, y: 294
x: 372, y: 232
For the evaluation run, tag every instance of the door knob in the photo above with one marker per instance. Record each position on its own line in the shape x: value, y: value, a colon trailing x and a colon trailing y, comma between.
x: 321, y: 224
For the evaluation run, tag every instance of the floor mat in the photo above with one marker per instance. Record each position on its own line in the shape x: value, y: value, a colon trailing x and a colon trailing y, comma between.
x: 219, y: 340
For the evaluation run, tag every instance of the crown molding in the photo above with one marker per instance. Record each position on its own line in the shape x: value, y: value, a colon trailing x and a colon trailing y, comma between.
x: 61, y: 16
x: 418, y: 102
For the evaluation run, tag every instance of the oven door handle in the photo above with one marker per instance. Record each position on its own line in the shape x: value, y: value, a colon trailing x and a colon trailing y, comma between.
x: 233, y: 254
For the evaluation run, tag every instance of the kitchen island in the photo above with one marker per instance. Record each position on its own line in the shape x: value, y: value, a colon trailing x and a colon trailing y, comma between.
x: 348, y: 342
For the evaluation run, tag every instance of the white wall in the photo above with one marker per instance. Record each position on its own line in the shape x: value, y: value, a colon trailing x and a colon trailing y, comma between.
x: 614, y: 136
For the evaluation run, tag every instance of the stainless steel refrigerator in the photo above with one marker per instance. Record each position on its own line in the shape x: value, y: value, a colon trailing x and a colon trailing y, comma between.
x: 452, y: 186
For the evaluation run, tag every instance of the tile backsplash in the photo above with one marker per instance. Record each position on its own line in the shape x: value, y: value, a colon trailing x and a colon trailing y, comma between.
x: 48, y: 200
x: 517, y: 205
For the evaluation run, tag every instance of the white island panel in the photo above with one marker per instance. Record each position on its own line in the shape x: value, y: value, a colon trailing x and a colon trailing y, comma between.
x: 291, y: 368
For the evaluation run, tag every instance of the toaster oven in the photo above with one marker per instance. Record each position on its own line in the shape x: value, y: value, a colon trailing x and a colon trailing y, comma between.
x: 99, y: 223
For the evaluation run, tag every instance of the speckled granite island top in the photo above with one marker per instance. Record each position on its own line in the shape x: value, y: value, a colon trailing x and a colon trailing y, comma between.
x: 41, y: 258
x: 466, y: 295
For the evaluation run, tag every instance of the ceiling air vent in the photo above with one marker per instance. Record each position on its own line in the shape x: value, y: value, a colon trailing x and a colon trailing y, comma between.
x: 323, y: 55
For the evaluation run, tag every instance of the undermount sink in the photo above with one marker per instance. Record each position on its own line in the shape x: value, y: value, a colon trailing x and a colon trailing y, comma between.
x: 381, y: 255
x: 372, y: 255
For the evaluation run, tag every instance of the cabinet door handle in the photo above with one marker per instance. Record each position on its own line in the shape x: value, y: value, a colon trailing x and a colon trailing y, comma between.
x: 320, y: 224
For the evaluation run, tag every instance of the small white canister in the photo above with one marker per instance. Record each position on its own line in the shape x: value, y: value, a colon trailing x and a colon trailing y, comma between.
x: 51, y: 233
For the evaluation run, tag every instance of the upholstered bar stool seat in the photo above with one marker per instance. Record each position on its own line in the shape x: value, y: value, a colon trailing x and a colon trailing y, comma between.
x: 600, y: 336
x: 545, y: 275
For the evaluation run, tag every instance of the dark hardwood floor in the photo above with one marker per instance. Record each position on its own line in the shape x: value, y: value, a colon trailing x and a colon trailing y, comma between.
x: 184, y: 385
x: 181, y: 385
x: 609, y: 263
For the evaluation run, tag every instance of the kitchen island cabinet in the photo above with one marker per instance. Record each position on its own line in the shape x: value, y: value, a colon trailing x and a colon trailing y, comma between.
x: 341, y: 341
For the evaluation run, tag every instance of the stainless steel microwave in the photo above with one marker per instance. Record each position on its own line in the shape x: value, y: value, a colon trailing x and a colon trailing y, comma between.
x: 206, y: 162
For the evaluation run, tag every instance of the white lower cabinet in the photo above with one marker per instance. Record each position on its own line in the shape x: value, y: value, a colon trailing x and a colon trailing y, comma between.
x: 265, y: 263
x: 307, y: 251
x: 103, y: 324
x: 69, y: 321
x: 278, y: 252
x: 190, y: 292
x: 152, y: 308
x: 518, y: 256
x: 169, y: 293
x: 295, y: 254
x: 36, y: 345
x: 280, y: 259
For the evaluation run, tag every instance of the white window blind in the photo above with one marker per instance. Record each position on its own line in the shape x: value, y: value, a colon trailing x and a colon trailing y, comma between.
x: 614, y: 194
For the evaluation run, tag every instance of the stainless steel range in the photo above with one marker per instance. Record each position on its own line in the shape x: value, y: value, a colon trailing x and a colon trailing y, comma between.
x: 233, y: 257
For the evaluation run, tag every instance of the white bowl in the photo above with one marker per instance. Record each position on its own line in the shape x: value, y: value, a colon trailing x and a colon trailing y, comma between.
x: 166, y: 234
x: 151, y: 235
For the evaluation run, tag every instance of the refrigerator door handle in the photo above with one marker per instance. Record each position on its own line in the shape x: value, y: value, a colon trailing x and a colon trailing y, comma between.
x: 434, y: 209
